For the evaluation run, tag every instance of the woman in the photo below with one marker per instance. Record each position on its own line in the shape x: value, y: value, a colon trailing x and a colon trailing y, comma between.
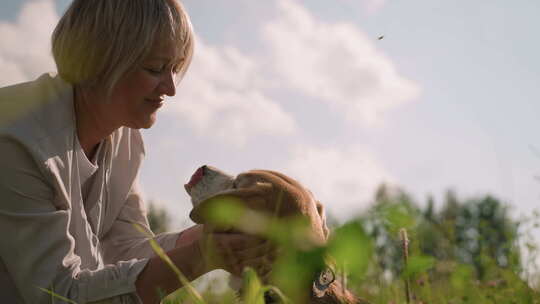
x: 71, y: 153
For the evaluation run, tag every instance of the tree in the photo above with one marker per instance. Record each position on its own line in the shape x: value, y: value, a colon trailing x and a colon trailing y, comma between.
x: 486, y: 234
x: 392, y: 210
x: 476, y: 231
x: 158, y: 218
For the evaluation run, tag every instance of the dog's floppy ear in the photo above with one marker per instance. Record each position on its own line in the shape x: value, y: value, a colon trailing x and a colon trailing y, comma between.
x: 290, y: 198
x: 322, y: 214
x: 287, y: 198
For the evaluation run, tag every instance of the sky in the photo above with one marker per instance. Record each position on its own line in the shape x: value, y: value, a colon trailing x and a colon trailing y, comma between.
x: 448, y: 99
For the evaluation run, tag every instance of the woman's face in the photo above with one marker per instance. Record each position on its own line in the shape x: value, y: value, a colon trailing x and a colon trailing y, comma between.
x: 137, y: 96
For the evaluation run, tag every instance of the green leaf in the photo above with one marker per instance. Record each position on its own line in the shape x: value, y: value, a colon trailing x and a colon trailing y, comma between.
x: 55, y: 295
x: 223, y: 211
x: 398, y: 216
x: 252, y: 288
x: 352, y: 248
x: 418, y: 264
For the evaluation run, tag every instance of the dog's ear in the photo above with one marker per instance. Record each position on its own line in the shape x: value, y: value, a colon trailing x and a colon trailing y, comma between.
x: 293, y: 199
x: 322, y: 214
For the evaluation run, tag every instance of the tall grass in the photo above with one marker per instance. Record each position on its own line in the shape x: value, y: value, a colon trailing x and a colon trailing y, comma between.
x: 353, y: 251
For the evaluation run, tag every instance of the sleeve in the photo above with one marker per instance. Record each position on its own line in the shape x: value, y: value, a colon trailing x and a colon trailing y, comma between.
x: 37, y: 248
x: 123, y: 241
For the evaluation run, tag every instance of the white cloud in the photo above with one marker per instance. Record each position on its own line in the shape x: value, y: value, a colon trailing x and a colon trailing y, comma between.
x: 343, y: 179
x: 337, y: 63
x: 219, y: 98
x: 25, y: 48
x: 370, y: 7
x: 373, y: 6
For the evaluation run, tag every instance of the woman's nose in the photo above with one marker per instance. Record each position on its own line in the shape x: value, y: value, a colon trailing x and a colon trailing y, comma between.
x: 168, y: 84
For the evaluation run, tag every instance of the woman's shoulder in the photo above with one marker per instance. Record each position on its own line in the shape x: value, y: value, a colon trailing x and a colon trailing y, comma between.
x: 38, y: 113
x: 25, y: 99
x: 30, y: 96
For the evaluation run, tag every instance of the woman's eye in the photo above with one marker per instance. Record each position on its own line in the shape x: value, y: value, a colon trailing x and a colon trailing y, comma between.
x: 154, y: 70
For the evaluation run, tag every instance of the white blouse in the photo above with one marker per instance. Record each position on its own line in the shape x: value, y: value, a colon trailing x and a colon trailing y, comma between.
x: 86, y: 250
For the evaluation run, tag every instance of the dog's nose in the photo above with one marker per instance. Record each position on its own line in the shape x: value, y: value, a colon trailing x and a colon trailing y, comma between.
x: 195, y: 178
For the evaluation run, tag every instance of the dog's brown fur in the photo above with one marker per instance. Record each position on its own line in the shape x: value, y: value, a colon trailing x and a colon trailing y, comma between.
x: 275, y: 193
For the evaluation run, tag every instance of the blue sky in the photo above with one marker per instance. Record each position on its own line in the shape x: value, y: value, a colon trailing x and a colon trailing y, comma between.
x: 448, y: 99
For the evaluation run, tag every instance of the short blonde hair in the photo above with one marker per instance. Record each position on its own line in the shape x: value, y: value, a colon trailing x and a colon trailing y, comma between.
x: 96, y: 42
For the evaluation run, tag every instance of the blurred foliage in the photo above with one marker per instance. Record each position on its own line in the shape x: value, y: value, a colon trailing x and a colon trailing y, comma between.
x: 158, y: 218
x: 466, y: 251
x: 476, y: 231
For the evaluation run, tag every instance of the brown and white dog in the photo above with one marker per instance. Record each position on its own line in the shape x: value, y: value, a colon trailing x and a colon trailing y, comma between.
x: 259, y: 190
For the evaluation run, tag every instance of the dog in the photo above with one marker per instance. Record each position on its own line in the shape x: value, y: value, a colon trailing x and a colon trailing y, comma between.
x: 274, y: 193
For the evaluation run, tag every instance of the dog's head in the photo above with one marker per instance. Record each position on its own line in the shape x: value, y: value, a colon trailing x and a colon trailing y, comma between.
x: 267, y: 192
x: 260, y: 190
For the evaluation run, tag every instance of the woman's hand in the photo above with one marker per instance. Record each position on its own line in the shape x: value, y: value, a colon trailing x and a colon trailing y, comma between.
x: 234, y: 252
x: 230, y: 251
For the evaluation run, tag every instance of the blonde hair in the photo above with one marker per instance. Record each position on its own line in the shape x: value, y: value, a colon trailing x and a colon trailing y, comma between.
x: 96, y: 42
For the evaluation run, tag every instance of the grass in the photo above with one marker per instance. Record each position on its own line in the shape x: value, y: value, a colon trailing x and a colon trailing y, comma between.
x: 421, y: 278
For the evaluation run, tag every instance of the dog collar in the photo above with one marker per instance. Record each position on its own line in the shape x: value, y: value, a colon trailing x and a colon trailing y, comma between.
x: 322, y: 281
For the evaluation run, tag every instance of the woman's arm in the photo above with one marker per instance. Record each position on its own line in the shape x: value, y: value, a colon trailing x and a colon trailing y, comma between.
x: 123, y: 241
x: 198, y: 252
x: 157, y: 275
